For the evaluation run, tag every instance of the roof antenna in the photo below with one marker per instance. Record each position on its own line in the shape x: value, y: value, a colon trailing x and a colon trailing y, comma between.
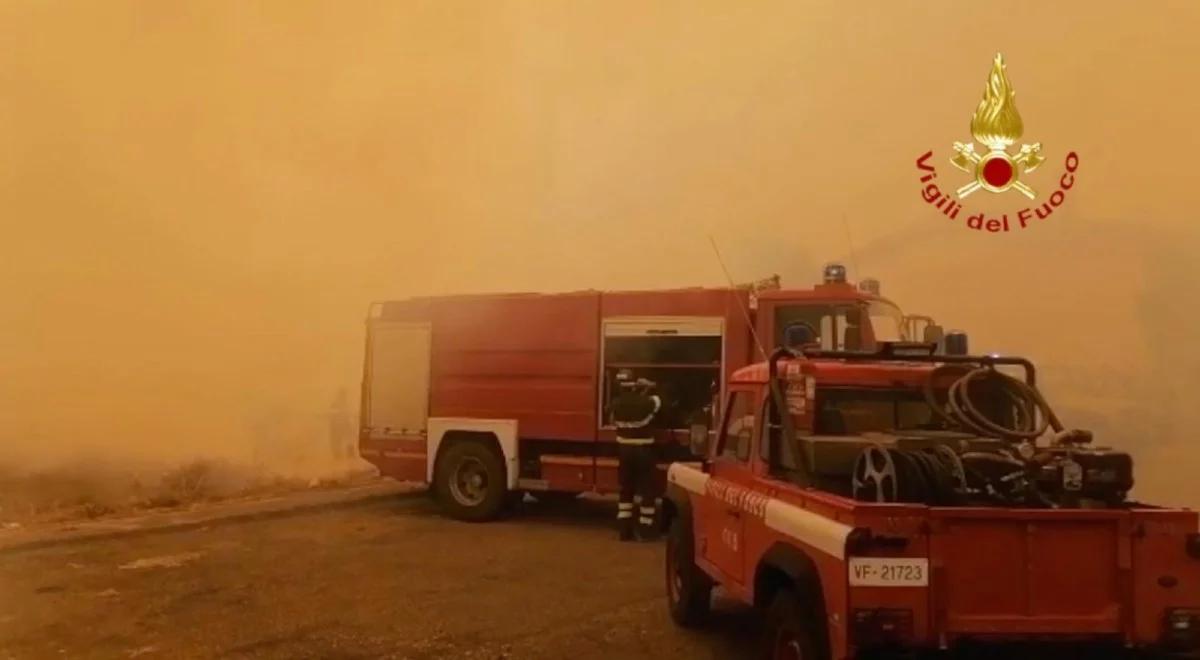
x: 733, y: 287
x: 850, y: 241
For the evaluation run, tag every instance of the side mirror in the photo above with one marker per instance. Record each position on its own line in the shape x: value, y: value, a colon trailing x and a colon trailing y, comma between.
x: 933, y: 334
x: 698, y: 443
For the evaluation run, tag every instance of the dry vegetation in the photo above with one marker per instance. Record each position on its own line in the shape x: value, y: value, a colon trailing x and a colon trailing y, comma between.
x: 92, y: 489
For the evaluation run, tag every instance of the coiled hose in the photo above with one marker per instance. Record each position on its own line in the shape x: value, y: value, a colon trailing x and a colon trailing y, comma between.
x: 941, y: 476
x: 1032, y: 415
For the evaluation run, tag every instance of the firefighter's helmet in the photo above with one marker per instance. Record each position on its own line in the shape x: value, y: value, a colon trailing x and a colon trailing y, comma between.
x: 625, y: 378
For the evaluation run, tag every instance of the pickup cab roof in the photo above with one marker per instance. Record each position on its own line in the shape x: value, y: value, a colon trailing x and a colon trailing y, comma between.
x: 839, y: 372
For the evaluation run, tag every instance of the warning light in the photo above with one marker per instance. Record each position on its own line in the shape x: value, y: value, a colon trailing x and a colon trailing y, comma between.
x: 835, y: 273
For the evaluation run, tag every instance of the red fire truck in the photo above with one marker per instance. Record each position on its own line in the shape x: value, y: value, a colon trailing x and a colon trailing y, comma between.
x: 895, y: 502
x: 485, y: 397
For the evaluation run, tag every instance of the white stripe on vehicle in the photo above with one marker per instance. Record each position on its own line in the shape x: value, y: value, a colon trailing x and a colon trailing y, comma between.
x: 687, y: 478
x: 828, y: 536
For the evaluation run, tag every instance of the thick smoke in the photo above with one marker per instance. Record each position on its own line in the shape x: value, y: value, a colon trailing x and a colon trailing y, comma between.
x: 199, y: 201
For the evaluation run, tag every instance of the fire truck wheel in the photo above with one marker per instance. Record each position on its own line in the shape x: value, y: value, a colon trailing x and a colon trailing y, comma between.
x: 790, y: 630
x: 689, y: 589
x: 469, y: 483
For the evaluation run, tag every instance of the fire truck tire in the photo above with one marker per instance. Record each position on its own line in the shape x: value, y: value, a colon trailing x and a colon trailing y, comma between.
x: 790, y: 630
x: 689, y: 589
x: 469, y: 483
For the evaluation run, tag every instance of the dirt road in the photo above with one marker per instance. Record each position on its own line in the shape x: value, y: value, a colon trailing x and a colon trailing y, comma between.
x: 387, y: 579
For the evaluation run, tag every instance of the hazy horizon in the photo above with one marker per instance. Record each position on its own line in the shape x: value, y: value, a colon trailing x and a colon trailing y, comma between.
x: 200, y: 200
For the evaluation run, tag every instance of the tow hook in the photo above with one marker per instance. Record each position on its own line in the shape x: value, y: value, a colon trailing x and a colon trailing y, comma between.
x: 1181, y: 630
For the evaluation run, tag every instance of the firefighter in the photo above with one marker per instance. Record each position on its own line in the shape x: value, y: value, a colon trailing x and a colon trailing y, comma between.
x: 635, y: 411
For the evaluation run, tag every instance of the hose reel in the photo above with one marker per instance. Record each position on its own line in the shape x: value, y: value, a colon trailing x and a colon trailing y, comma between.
x: 941, y: 476
x: 934, y: 475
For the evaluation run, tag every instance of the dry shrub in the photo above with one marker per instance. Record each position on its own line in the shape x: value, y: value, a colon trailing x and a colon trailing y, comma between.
x: 96, y: 488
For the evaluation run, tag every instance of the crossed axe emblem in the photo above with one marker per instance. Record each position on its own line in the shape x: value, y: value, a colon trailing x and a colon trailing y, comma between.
x: 967, y: 160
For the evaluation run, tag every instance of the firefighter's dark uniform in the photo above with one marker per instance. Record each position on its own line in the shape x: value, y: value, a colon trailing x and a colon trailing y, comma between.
x: 634, y: 412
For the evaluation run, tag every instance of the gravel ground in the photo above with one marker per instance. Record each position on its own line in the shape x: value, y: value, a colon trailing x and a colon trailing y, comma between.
x: 386, y: 579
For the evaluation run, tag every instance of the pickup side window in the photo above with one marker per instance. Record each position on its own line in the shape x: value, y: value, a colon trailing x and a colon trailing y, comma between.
x: 738, y: 433
x: 771, y: 432
x: 851, y: 411
x: 773, y: 448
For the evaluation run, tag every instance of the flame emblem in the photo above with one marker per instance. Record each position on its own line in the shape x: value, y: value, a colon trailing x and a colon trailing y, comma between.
x: 996, y: 125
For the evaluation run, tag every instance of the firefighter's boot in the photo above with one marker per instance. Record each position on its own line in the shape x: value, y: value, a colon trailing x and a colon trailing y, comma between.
x: 625, y: 520
x: 647, y: 530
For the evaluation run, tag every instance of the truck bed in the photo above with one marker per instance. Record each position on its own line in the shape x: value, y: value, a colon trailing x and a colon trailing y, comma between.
x: 1022, y: 573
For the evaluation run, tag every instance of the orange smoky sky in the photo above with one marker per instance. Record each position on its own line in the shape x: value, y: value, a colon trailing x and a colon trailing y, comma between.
x: 198, y: 200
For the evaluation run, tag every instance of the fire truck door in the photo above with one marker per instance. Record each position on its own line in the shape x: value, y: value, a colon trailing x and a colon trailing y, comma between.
x: 397, y: 388
x: 725, y: 522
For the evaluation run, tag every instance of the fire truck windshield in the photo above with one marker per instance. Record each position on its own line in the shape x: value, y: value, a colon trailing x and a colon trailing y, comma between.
x: 887, y: 321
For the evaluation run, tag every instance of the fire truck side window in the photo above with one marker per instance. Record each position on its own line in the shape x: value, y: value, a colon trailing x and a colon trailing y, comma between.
x: 810, y: 317
x: 840, y: 327
x: 738, y: 434
x: 827, y: 323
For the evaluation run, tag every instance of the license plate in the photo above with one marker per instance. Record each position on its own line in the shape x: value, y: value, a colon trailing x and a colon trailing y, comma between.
x: 889, y: 572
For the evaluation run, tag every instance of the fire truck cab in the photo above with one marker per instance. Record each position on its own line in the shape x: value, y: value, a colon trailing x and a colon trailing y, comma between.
x: 487, y: 397
x: 899, y: 501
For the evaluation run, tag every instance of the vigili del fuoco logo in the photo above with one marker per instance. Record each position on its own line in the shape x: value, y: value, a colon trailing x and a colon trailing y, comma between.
x: 997, y: 125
